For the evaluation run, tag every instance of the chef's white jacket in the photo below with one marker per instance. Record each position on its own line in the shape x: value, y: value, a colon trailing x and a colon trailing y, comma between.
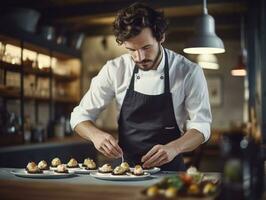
x: 187, y: 83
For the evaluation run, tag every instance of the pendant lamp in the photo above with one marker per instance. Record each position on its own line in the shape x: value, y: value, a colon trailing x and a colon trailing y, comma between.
x: 240, y: 68
x: 205, y: 40
x: 208, y: 61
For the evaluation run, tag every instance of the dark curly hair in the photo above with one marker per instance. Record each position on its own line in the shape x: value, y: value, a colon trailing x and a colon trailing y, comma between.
x: 130, y: 21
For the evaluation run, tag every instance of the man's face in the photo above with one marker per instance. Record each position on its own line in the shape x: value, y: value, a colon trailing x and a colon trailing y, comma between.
x: 144, y: 49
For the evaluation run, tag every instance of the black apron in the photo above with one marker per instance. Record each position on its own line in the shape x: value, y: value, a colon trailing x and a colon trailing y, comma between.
x: 148, y: 120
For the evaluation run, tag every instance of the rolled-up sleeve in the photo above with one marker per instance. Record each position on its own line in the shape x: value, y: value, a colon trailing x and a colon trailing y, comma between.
x: 197, y: 103
x: 99, y: 95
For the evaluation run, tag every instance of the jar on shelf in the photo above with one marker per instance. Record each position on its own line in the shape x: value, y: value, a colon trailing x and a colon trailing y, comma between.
x: 60, y: 128
x: 27, y: 129
x: 38, y: 133
x: 13, y: 124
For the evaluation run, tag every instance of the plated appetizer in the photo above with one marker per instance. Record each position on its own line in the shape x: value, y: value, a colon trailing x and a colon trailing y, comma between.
x: 89, y: 164
x: 125, y: 165
x: 42, y: 165
x: 106, y: 168
x: 32, y: 168
x: 55, y: 162
x: 72, y: 163
x: 138, y: 171
x: 119, y: 170
x: 61, y: 169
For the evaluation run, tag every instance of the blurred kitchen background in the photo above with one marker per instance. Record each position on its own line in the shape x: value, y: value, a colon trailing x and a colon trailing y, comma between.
x: 51, y: 49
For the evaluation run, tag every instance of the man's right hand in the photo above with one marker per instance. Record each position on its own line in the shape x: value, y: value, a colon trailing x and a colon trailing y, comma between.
x: 107, y: 145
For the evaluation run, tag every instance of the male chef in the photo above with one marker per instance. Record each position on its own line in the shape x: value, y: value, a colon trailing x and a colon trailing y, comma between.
x: 161, y: 96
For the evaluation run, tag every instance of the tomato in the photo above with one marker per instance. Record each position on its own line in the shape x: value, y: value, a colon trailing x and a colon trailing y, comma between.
x: 187, y: 179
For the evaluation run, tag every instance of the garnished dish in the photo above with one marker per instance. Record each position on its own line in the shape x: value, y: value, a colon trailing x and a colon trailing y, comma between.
x: 72, y: 163
x: 138, y: 171
x: 55, y: 162
x: 106, y: 168
x: 32, y: 168
x: 42, y: 171
x: 126, y: 167
x: 195, y: 174
x: 61, y: 169
x: 183, y: 184
x: 119, y: 170
x: 42, y: 165
x: 89, y: 164
x: 152, y: 170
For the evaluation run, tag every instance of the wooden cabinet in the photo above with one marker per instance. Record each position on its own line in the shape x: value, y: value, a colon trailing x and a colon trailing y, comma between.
x: 41, y: 78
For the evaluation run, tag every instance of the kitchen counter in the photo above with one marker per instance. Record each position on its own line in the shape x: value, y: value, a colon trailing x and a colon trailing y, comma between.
x: 75, y: 187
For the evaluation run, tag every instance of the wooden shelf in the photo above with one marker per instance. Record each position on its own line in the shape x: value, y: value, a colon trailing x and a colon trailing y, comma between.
x: 10, y: 67
x: 37, y: 43
x: 66, y: 100
x: 37, y: 72
x: 47, y: 99
x: 65, y: 78
x: 37, y: 98
x: 14, y: 93
x: 9, y: 92
x: 27, y: 70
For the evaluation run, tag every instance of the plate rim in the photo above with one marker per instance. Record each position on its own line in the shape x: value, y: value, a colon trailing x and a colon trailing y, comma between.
x: 48, y: 174
x: 82, y: 171
x: 154, y: 170
x: 109, y: 176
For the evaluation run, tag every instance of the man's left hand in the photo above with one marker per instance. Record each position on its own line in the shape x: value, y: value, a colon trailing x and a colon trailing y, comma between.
x: 159, y: 155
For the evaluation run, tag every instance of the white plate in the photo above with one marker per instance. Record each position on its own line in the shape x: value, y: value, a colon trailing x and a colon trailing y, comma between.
x: 45, y: 174
x: 151, y: 171
x: 109, y: 176
x: 82, y: 170
x: 54, y: 168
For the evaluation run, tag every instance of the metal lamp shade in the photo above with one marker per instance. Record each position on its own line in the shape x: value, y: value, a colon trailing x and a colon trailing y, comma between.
x: 205, y: 40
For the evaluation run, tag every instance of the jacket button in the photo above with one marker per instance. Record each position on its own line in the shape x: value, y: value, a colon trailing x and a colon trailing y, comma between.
x: 161, y: 77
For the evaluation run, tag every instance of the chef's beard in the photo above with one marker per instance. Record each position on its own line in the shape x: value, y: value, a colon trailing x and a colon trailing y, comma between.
x: 146, y: 61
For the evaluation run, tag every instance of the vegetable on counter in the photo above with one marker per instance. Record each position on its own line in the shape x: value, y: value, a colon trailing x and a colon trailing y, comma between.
x: 184, y: 184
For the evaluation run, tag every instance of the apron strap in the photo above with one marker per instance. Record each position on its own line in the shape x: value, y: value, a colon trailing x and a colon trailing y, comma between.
x: 135, y: 71
x: 166, y: 74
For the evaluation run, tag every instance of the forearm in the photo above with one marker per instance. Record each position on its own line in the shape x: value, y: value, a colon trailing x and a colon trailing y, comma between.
x: 188, y: 142
x: 87, y: 130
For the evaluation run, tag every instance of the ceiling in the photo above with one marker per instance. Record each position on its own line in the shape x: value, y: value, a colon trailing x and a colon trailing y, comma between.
x: 95, y: 17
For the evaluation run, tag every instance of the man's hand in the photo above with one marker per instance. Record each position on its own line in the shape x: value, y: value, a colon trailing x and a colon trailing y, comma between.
x: 107, y: 145
x: 159, y: 155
